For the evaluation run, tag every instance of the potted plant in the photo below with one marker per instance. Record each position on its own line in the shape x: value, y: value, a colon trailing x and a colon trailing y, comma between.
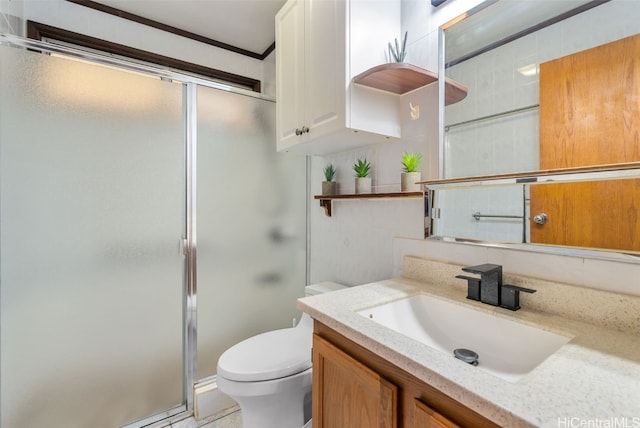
x: 398, y: 53
x: 329, y: 187
x: 411, y: 173
x: 362, y: 168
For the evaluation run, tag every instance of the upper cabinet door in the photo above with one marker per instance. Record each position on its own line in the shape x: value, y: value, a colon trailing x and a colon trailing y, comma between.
x: 310, y: 70
x: 325, y: 67
x: 290, y: 69
x: 319, y: 107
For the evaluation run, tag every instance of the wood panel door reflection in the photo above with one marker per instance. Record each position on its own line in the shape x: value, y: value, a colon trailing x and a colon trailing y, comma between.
x: 590, y: 115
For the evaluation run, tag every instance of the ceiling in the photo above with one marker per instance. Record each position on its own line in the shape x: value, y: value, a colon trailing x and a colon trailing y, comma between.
x: 244, y: 24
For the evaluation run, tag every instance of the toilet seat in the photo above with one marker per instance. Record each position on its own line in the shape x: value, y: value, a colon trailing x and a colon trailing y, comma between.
x: 271, y: 355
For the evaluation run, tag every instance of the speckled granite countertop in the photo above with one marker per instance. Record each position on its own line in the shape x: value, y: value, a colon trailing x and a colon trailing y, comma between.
x: 595, y: 378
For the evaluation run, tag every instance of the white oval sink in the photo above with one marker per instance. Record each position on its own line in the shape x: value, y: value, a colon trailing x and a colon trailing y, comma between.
x: 507, y: 349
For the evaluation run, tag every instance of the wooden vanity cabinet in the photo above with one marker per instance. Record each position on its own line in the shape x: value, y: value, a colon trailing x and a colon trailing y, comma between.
x: 353, y: 387
x: 425, y: 417
x: 349, y: 394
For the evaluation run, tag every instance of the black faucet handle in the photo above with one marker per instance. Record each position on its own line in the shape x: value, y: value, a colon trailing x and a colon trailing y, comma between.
x: 510, y: 296
x: 518, y: 288
x: 473, y: 287
x: 483, y: 269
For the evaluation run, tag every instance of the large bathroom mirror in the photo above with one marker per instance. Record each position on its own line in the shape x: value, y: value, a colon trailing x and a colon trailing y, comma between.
x: 551, y: 85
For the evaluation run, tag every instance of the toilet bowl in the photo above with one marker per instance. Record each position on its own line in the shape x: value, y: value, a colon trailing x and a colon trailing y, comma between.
x: 269, y: 375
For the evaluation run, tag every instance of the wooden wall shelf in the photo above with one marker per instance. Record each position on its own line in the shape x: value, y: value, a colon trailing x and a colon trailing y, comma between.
x: 327, y: 200
x: 400, y: 78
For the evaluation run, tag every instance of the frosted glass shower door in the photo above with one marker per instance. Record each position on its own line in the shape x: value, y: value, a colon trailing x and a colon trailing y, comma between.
x: 92, y: 210
x: 251, y: 218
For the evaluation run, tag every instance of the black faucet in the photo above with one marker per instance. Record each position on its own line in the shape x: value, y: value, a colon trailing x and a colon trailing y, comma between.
x: 490, y: 283
x: 489, y: 288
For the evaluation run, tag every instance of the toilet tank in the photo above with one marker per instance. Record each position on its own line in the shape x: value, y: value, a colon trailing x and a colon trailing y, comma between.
x: 322, y: 287
x: 312, y: 290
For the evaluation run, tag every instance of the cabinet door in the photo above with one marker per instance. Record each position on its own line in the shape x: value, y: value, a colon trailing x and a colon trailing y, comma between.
x: 289, y: 73
x: 426, y: 417
x: 325, y: 66
x: 346, y: 393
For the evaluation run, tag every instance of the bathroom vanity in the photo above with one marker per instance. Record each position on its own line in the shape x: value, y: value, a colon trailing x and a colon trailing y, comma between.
x: 367, y: 374
x: 376, y: 392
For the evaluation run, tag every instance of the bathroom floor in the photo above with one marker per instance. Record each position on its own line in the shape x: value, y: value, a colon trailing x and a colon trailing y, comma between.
x: 232, y: 420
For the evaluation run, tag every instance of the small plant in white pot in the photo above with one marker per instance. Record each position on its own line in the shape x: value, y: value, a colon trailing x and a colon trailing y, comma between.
x: 411, y: 172
x: 329, y: 187
x: 362, y: 168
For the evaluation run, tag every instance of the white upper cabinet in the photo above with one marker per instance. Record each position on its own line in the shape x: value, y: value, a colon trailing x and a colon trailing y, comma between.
x: 320, y: 46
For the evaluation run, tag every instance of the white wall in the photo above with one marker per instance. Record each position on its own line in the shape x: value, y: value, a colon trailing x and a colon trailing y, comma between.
x: 365, y: 240
x: 80, y: 19
x: 354, y: 246
x: 617, y: 276
x: 10, y: 13
x: 421, y: 21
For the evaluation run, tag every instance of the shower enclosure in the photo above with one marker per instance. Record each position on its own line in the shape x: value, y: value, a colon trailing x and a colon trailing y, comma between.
x: 146, y: 224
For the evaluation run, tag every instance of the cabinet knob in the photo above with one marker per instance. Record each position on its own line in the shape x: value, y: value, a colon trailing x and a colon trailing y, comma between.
x: 303, y: 130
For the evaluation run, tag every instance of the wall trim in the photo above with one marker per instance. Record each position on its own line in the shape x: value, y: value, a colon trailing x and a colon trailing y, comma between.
x: 168, y: 28
x: 38, y: 31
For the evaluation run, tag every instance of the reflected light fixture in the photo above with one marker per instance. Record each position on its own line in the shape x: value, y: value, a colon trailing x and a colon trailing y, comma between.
x: 528, y: 70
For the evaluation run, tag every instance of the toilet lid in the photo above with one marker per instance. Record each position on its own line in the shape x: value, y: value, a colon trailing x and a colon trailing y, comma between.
x: 267, y: 356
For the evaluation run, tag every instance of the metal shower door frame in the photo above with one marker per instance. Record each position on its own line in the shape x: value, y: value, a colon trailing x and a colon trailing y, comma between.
x: 188, y: 243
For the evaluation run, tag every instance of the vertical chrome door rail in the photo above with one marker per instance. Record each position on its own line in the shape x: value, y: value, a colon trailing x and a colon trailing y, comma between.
x: 190, y: 301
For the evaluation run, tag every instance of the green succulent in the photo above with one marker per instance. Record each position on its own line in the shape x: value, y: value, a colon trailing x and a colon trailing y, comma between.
x: 411, y: 161
x: 362, y: 168
x: 398, y: 54
x: 329, y: 172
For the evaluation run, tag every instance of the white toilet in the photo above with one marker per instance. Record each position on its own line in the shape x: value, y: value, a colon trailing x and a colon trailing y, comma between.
x: 269, y: 375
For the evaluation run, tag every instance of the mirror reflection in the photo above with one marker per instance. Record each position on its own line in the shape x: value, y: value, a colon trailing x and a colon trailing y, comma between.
x: 497, y: 127
x: 552, y: 84
x: 518, y: 209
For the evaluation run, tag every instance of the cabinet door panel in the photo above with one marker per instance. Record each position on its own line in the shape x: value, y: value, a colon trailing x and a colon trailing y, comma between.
x: 289, y: 69
x: 325, y: 66
x: 348, y: 394
x: 426, y: 417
